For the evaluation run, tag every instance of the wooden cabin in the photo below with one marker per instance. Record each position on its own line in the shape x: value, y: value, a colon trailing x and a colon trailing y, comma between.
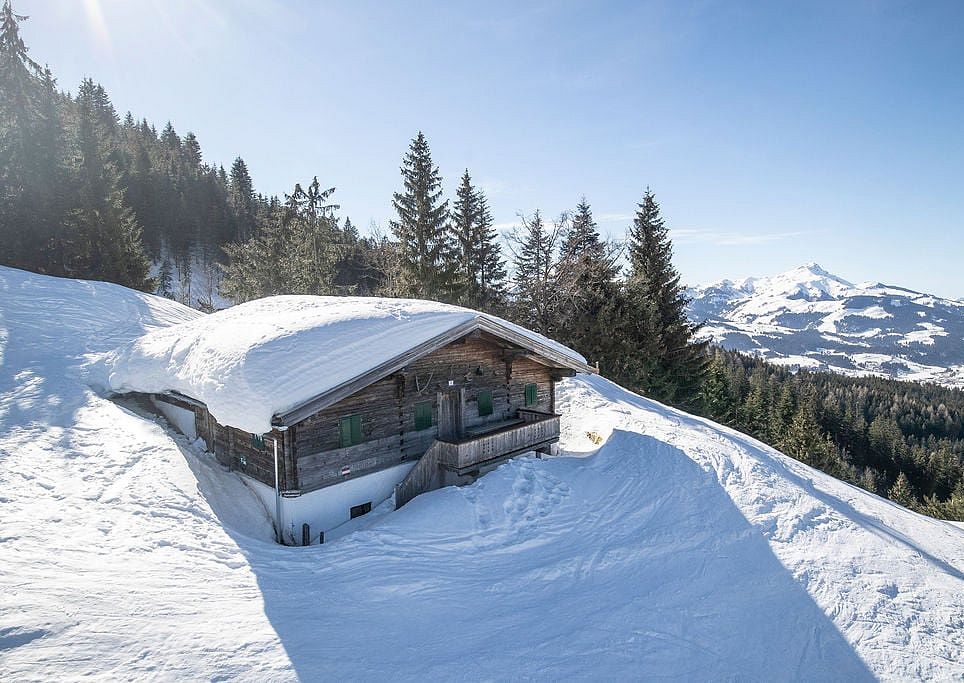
x: 439, y: 413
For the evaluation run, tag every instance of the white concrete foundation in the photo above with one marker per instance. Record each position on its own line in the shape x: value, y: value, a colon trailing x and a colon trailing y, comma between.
x: 329, y: 507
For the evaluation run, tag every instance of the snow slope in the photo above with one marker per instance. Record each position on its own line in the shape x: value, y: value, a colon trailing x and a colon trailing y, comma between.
x: 810, y: 318
x: 678, y: 548
x: 266, y: 357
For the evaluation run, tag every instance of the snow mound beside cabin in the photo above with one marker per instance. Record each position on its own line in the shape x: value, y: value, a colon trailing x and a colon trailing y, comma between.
x: 675, y: 548
x: 265, y: 357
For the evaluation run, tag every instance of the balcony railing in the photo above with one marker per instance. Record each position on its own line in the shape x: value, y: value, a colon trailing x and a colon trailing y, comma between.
x: 532, y: 430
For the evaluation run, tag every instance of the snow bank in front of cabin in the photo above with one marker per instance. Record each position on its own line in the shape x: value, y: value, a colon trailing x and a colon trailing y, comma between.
x: 252, y: 361
x: 675, y: 549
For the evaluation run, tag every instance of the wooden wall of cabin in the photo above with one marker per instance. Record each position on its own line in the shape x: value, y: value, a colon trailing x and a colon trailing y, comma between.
x: 387, y: 410
x: 236, y: 449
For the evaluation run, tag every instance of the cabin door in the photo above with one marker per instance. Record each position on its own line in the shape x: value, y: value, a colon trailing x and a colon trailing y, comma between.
x: 450, y: 422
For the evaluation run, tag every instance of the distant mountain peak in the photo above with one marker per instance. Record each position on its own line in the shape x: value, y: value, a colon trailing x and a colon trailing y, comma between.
x: 809, y: 317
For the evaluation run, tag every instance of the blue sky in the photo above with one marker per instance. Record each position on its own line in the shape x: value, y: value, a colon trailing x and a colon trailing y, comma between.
x: 772, y: 133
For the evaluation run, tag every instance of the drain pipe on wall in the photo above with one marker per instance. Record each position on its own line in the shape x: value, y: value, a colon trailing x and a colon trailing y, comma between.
x: 278, y: 510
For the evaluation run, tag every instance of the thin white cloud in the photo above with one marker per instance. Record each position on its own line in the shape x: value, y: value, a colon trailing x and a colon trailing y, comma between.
x: 491, y: 186
x: 728, y: 239
x: 614, y: 218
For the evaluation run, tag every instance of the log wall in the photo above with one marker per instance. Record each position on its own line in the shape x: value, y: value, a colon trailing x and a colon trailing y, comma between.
x: 234, y: 448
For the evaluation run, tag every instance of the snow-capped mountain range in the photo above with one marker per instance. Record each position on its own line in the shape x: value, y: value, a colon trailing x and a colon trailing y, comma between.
x: 808, y: 317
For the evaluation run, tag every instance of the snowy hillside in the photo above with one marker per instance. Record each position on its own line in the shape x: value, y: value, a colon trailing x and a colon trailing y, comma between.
x: 675, y: 548
x: 810, y: 318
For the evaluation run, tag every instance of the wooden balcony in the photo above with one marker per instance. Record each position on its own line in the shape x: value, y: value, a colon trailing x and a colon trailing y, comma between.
x: 530, y: 431
x: 462, y: 458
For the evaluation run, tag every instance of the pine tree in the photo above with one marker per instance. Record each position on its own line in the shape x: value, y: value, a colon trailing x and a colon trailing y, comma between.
x: 480, y: 267
x: 427, y: 264
x: 902, y: 492
x: 804, y: 440
x: 489, y: 261
x: 165, y: 280
x: 534, y: 288
x: 242, y: 200
x: 755, y: 411
x: 676, y: 374
x: 191, y: 151
x: 782, y: 415
x: 464, y: 217
x: 590, y: 312
x: 868, y: 480
x: 715, y: 397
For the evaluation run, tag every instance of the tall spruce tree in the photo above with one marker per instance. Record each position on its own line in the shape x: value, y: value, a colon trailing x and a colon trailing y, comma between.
x: 478, y: 259
x: 591, y: 311
x: 490, y: 267
x: 427, y: 266
x: 535, y: 296
x: 464, y: 216
x: 658, y: 305
x: 242, y: 200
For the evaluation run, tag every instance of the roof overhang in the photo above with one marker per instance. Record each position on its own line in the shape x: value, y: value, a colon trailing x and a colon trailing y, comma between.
x: 555, y: 357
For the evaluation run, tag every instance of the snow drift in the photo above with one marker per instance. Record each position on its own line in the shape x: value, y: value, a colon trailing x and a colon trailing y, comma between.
x: 676, y: 548
x: 265, y: 357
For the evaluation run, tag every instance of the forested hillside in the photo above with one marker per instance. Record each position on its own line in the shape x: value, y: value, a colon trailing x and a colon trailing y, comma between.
x: 87, y: 193
x: 903, y: 440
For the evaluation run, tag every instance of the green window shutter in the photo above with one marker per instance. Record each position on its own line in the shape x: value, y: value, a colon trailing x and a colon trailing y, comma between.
x: 423, y: 415
x: 257, y: 441
x: 532, y: 394
x: 345, y: 439
x: 350, y: 431
x: 356, y: 435
x: 485, y: 402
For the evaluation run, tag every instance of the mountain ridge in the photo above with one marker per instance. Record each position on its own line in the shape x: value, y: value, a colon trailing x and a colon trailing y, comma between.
x: 808, y: 317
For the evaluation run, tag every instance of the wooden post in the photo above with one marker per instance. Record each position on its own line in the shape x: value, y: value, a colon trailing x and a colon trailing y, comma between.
x: 305, y: 534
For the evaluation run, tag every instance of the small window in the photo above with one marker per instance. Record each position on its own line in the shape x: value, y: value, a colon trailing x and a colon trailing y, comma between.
x: 359, y: 510
x: 485, y: 402
x: 532, y: 394
x: 423, y: 415
x: 257, y: 441
x: 350, y: 430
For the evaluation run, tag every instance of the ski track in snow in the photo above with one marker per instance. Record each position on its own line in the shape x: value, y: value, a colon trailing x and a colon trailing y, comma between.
x: 678, y: 548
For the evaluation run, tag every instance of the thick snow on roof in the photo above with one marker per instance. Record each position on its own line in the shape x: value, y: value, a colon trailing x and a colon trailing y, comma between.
x: 265, y: 357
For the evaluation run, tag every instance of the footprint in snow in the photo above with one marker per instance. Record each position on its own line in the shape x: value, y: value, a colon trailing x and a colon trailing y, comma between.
x: 535, y: 493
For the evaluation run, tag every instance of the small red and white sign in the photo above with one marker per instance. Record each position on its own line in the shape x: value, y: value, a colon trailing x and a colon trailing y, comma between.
x: 345, y: 471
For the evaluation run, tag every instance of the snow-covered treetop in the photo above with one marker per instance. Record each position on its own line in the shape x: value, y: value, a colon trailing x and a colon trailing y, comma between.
x: 264, y: 358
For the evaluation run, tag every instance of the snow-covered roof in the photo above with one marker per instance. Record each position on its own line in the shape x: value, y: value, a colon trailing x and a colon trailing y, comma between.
x: 258, y: 363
